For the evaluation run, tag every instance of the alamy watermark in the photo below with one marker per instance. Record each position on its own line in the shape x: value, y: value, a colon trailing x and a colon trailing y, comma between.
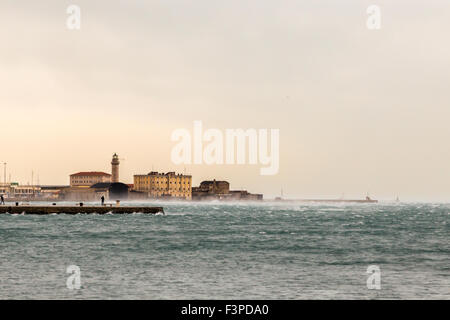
x: 374, y: 19
x: 374, y: 279
x: 234, y: 146
x: 74, y: 280
x: 73, y: 21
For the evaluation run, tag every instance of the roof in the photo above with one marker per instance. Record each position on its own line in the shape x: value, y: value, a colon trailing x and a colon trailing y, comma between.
x: 161, y: 174
x: 91, y: 173
x: 53, y: 187
x: 208, y: 182
x: 106, y: 185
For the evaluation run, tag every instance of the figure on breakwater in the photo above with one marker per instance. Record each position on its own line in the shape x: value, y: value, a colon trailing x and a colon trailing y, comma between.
x: 103, y: 200
x: 2, y: 199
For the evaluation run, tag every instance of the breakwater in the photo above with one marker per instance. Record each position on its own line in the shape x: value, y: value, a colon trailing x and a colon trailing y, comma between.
x: 42, y: 210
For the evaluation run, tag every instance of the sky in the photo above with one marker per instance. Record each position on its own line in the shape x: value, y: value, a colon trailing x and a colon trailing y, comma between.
x: 359, y: 111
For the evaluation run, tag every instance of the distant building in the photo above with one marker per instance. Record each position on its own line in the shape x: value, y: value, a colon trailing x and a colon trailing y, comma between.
x: 160, y: 185
x: 214, y: 187
x: 15, y: 191
x: 26, y: 191
x: 220, y: 190
x: 5, y: 189
x: 87, y: 179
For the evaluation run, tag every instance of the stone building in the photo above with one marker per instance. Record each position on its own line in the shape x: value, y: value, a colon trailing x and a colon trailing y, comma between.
x: 161, y: 185
x: 214, y: 187
x: 220, y: 190
x: 211, y: 190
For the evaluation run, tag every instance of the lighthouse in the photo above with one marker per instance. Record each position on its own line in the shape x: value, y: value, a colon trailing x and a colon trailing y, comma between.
x: 115, y: 168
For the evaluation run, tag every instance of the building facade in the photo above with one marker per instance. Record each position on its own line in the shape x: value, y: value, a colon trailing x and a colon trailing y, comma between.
x: 15, y: 191
x: 5, y: 189
x: 160, y: 185
x: 87, y: 179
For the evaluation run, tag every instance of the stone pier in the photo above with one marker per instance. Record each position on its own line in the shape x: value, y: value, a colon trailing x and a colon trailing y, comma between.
x: 42, y: 210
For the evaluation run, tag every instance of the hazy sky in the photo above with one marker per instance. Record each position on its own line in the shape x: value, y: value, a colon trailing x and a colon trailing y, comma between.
x: 358, y: 110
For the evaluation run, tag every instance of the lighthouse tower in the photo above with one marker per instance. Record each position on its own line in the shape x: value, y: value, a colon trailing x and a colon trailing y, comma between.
x: 115, y: 168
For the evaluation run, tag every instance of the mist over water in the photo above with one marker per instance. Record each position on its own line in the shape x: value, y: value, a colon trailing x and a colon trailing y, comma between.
x: 231, y: 251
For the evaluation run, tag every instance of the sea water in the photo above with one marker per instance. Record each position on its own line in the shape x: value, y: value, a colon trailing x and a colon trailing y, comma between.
x: 231, y: 251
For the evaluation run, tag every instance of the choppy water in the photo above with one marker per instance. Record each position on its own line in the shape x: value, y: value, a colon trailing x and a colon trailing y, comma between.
x: 231, y: 251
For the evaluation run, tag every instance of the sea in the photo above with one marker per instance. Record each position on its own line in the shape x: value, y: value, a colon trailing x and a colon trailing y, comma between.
x: 219, y: 250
